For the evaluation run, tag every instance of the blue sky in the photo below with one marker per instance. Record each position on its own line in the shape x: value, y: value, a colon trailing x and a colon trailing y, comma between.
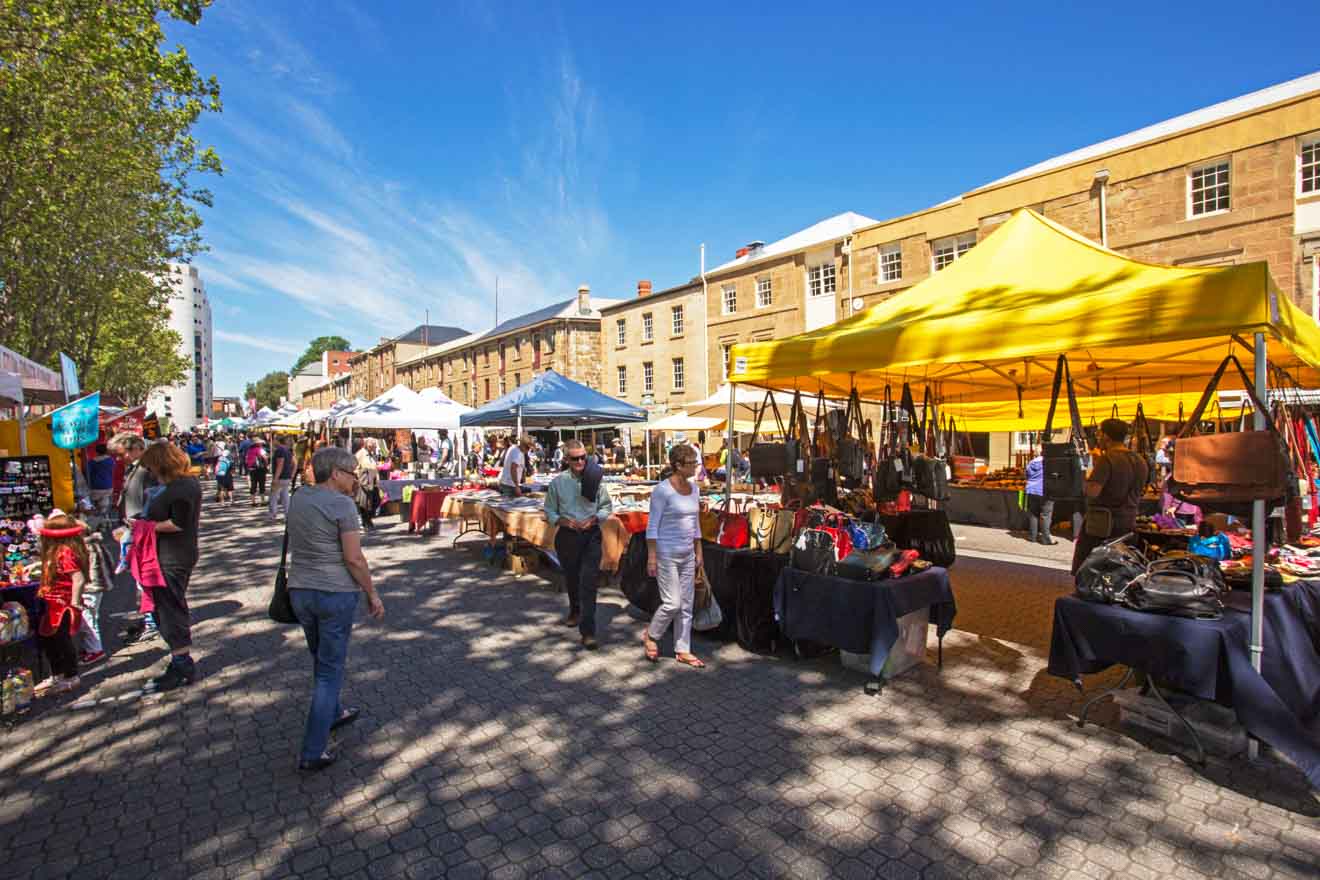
x: 383, y: 159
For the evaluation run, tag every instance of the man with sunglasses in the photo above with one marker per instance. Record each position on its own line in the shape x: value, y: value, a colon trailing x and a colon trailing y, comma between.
x: 577, y: 502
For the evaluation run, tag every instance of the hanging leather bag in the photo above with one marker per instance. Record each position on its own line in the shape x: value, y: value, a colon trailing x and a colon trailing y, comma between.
x: 281, y: 604
x: 1064, y: 474
x: 930, y: 476
x: 851, y: 443
x: 1226, y: 472
x: 887, y: 478
x: 769, y: 460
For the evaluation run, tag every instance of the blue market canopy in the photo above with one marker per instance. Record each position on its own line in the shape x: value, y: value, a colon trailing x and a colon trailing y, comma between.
x: 552, y: 401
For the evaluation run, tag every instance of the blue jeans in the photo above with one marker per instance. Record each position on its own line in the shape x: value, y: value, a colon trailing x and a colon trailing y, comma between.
x: 327, y: 621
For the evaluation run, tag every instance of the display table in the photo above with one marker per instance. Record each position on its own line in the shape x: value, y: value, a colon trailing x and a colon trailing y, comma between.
x: 1210, y: 659
x: 392, y: 490
x: 427, y: 504
x: 998, y: 508
x: 861, y: 616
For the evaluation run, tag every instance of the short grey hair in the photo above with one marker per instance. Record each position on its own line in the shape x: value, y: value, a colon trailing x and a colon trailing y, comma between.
x: 330, y: 459
x: 127, y: 440
x: 574, y: 444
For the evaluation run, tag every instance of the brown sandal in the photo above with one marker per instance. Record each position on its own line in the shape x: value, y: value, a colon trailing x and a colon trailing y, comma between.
x: 691, y: 660
x: 650, y: 647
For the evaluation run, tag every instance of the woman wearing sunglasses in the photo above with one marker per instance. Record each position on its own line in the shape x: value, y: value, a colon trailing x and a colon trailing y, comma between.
x: 673, y: 545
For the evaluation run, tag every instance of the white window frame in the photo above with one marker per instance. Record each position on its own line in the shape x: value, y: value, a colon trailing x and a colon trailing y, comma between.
x: 648, y: 377
x: 729, y: 299
x: 1223, y: 162
x: 676, y: 364
x: 953, y: 247
x: 621, y: 332
x: 648, y: 327
x: 621, y: 377
x: 822, y: 276
x: 676, y: 320
x: 725, y: 347
x: 765, y: 292
x: 1312, y: 143
x: 889, y: 263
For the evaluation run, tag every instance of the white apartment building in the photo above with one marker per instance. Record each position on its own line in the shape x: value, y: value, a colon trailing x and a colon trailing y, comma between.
x: 187, y: 403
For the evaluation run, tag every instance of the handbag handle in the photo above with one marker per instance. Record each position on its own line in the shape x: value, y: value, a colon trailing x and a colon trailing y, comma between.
x: 1062, y: 373
x: 760, y: 414
x: 1193, y: 421
x: 909, y: 405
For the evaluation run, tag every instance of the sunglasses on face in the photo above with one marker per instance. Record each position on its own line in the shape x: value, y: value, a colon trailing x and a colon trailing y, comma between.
x: 577, y: 458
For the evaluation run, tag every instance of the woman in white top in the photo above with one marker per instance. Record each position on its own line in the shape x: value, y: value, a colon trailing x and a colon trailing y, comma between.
x: 673, y: 544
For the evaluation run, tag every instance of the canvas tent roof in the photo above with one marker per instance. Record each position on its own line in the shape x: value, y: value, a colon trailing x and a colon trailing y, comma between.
x: 990, y: 325
x: 401, y: 407
x: 552, y: 400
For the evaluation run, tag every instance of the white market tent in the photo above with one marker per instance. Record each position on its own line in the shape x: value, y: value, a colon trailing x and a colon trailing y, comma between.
x: 401, y: 407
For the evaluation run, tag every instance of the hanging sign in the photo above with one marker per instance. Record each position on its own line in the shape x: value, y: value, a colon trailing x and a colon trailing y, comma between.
x: 77, y: 424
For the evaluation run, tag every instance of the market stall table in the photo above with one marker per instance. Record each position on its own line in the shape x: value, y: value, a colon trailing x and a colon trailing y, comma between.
x: 1209, y: 659
x: 392, y: 490
x: 861, y: 616
x: 427, y: 504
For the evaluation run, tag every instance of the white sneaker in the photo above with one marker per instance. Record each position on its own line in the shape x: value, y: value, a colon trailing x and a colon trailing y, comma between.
x: 64, y: 685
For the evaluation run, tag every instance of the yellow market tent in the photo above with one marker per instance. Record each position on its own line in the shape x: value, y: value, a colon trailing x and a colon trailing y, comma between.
x: 989, y: 326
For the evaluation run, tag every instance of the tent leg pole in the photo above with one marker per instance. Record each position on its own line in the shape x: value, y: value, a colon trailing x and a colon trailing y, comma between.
x: 22, y: 429
x: 1258, y: 538
x: 728, y: 432
x: 646, y: 439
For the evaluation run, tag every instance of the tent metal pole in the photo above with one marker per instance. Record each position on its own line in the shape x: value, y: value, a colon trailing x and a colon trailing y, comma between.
x: 22, y: 429
x: 728, y: 432
x: 1258, y: 537
x: 646, y: 438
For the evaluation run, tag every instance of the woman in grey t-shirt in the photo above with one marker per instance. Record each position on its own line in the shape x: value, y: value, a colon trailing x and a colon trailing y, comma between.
x: 326, y: 571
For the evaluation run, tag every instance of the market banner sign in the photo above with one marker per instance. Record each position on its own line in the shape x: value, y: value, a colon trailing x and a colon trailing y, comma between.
x: 77, y: 424
x: 151, y: 427
x: 69, y: 372
x: 130, y: 421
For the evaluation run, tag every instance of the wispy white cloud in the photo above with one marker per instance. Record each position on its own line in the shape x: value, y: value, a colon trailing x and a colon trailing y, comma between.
x: 320, y: 130
x: 279, y: 346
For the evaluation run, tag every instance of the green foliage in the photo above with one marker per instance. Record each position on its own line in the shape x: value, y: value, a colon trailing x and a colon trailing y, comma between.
x: 96, y: 162
x: 268, y: 389
x: 317, y: 347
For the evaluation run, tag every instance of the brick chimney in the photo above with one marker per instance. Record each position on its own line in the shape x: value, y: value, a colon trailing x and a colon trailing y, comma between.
x: 740, y: 253
x: 643, y: 289
x: 584, y: 299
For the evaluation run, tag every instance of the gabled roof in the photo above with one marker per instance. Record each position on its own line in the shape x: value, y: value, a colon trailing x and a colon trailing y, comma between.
x: 565, y: 309
x: 829, y: 229
x: 312, y: 369
x: 431, y: 334
x: 688, y: 287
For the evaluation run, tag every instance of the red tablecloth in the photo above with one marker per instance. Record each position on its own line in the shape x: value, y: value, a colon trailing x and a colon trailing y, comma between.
x: 427, y: 505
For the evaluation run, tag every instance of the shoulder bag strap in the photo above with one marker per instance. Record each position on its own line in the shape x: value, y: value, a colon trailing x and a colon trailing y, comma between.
x: 910, y: 407
x: 1059, y: 367
x: 1195, y: 418
x: 284, y: 551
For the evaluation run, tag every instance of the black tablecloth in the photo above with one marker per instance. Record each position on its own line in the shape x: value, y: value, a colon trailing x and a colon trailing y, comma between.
x: 860, y: 616
x: 1210, y: 659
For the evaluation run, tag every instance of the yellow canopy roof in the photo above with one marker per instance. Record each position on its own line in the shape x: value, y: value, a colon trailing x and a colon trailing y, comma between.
x: 1002, y: 415
x: 989, y: 327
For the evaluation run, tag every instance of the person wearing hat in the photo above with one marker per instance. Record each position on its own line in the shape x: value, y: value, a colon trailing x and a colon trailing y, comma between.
x: 65, y: 568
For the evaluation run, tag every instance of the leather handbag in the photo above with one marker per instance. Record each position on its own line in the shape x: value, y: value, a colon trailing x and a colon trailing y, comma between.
x: 887, y: 479
x: 929, y: 533
x: 837, y: 524
x: 1064, y: 475
x: 1183, y: 586
x: 852, y: 444
x: 734, y: 532
x: 1226, y: 472
x: 867, y: 565
x: 814, y: 552
x: 709, y: 521
x: 769, y: 459
x: 867, y: 535
x: 281, y: 605
x: 1107, y: 571
x: 930, y: 475
x: 771, y: 529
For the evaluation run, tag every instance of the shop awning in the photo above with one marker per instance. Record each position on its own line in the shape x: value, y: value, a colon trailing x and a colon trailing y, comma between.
x: 401, y: 407
x: 551, y: 401
x: 990, y: 325
x: 681, y: 421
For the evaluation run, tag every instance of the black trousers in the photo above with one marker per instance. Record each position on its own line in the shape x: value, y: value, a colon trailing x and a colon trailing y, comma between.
x: 579, y: 557
x: 257, y: 482
x: 58, y: 647
x: 173, y: 618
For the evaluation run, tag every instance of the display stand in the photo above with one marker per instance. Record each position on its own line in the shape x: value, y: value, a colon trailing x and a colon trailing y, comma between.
x: 25, y: 486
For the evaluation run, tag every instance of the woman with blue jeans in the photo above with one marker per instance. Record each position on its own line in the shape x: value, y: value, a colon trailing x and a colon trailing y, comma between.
x: 327, y: 570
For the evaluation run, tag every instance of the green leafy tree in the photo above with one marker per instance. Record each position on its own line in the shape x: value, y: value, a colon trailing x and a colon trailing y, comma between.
x: 268, y: 389
x: 97, y: 160
x: 319, y: 346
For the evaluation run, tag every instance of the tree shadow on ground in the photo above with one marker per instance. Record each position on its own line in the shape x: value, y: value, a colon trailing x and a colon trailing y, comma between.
x: 492, y: 745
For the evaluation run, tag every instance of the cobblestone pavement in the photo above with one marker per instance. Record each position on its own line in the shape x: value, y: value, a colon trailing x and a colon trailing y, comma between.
x: 492, y: 746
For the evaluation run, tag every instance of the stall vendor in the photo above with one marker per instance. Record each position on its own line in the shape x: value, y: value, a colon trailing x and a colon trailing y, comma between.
x: 1113, y: 491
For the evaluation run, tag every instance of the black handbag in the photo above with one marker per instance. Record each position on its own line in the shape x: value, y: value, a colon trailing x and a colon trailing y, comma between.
x: 769, y: 460
x: 1065, y: 478
x: 1182, y: 586
x: 1107, y: 571
x: 867, y: 565
x: 930, y: 474
x: 852, y: 444
x: 888, y: 478
x: 281, y: 605
x: 814, y: 552
x: 929, y: 533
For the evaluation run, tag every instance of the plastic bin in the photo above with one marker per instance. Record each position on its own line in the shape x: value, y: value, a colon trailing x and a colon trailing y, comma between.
x: 908, y: 651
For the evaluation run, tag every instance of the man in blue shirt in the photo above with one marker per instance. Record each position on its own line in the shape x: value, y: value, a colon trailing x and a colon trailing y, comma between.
x: 577, y: 502
x: 243, y: 446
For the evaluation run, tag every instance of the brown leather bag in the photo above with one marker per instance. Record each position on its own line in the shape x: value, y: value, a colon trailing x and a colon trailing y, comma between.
x: 1226, y: 472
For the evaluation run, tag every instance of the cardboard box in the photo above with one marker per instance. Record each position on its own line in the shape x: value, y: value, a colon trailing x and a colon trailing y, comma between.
x: 525, y: 562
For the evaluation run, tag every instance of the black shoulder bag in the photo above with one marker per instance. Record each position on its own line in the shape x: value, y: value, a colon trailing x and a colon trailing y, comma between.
x: 281, y: 606
x: 1064, y: 475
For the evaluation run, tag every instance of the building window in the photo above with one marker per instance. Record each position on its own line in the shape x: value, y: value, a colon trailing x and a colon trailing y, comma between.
x: 764, y: 294
x: 517, y: 380
x: 487, y: 381
x: 676, y: 320
x: 487, y: 353
x: 678, y: 374
x: 621, y: 332
x: 891, y: 262
x: 623, y: 380
x: 1310, y: 166
x: 648, y: 327
x: 503, y: 387
x: 648, y: 378
x: 517, y: 344
x: 730, y: 299
x: 944, y: 251
x: 820, y: 280
x: 725, y: 348
x: 1207, y: 189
